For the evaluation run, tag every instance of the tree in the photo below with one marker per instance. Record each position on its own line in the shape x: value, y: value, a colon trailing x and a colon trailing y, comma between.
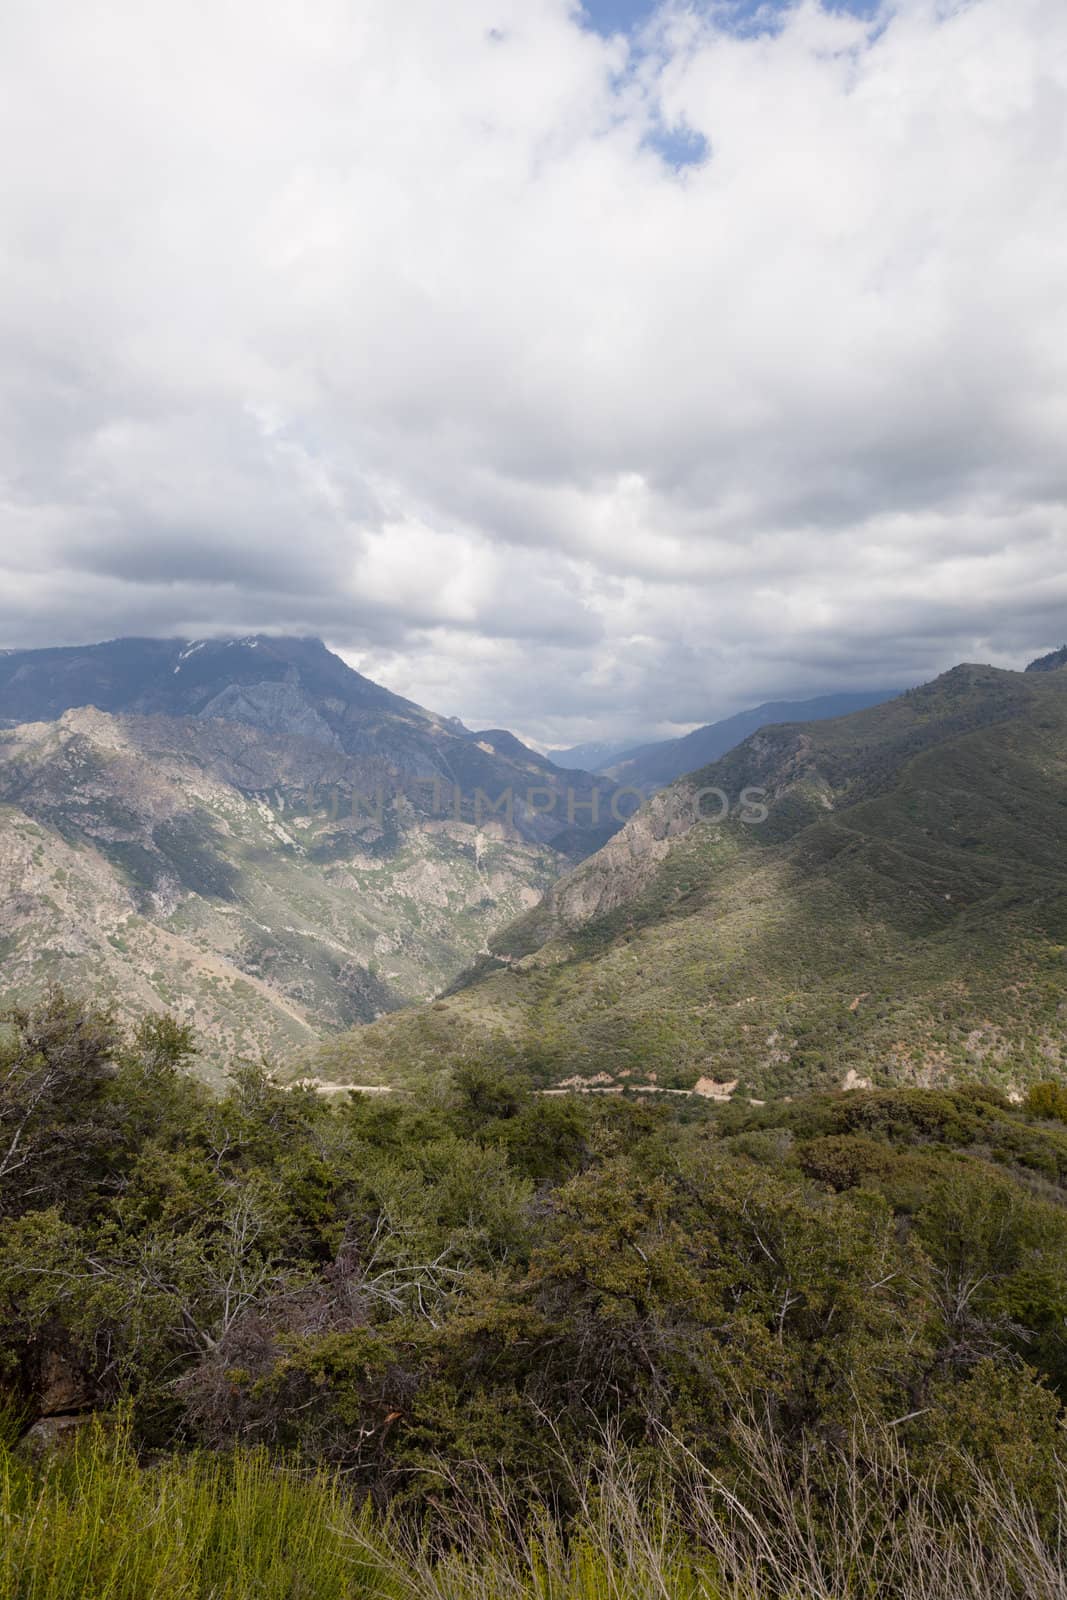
x: 55, y: 1065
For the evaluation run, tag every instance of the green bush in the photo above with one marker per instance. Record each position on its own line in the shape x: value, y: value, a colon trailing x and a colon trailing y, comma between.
x: 489, y: 1278
x: 1048, y: 1100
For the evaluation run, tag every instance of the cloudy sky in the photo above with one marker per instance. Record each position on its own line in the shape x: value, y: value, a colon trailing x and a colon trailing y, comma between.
x: 586, y: 372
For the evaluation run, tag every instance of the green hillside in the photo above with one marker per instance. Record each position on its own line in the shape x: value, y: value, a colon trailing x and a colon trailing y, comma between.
x: 900, y: 916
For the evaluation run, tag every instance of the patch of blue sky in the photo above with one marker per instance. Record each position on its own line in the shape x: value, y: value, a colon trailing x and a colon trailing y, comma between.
x: 678, y: 146
x: 743, y: 16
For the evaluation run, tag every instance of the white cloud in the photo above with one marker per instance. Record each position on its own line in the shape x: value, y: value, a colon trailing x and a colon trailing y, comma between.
x: 387, y: 321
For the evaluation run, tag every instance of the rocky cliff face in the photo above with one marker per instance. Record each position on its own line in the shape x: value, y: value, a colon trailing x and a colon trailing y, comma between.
x: 610, y: 878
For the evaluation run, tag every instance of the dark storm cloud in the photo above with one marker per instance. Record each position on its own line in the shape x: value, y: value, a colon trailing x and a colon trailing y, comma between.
x: 392, y: 323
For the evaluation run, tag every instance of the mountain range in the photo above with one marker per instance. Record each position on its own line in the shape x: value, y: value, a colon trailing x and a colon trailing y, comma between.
x: 652, y: 766
x: 594, y: 756
x: 288, y: 687
x: 886, y: 901
x: 253, y: 834
x: 297, y: 861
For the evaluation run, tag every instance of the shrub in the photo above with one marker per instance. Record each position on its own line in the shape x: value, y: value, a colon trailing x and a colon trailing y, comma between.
x: 1048, y: 1100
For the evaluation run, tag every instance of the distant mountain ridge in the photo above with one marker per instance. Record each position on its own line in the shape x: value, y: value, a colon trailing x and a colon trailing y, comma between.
x: 653, y: 766
x: 593, y: 756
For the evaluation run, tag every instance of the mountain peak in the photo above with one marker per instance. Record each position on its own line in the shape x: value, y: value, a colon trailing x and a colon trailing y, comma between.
x: 290, y: 686
x: 1050, y: 663
x: 191, y: 677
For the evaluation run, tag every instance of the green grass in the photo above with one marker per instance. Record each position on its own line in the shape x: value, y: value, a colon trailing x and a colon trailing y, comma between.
x: 91, y: 1523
